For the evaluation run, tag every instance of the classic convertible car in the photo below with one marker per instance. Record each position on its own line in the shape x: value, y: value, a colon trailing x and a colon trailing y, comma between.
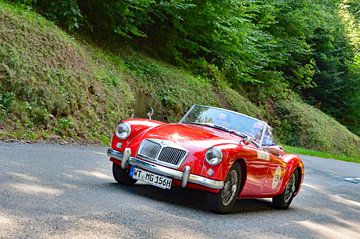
x: 226, y: 154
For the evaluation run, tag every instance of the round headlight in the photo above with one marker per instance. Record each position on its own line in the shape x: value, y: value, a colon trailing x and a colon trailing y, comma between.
x: 213, y: 156
x: 123, y: 130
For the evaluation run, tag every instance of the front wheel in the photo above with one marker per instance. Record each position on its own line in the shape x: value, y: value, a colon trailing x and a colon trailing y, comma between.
x: 284, y: 200
x: 121, y: 176
x: 224, y: 201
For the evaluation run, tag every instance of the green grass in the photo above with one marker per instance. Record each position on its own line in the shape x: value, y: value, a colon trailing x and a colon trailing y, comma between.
x: 297, y: 150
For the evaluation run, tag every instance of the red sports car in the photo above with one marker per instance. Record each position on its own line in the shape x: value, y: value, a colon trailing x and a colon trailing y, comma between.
x: 224, y: 153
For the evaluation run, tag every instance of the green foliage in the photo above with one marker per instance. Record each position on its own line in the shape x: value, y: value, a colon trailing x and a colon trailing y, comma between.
x: 212, y: 30
x: 349, y: 11
x: 116, y: 17
x: 353, y: 6
x: 6, y: 99
x: 336, y: 82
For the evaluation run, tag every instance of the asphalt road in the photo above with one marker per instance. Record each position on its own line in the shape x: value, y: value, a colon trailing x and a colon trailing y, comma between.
x: 68, y: 192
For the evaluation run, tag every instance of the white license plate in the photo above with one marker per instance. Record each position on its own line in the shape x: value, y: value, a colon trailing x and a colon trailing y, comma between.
x: 151, y: 178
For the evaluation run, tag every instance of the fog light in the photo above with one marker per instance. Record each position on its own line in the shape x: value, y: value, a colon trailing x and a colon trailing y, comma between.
x: 210, y: 172
x: 118, y: 145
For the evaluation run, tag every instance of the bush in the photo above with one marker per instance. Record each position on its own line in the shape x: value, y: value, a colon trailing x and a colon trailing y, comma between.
x: 6, y: 100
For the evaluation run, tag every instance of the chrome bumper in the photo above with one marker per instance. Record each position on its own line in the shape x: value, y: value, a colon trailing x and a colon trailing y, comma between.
x: 184, y: 176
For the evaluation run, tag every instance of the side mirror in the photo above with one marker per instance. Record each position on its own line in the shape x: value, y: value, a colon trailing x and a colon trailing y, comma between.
x: 247, y: 140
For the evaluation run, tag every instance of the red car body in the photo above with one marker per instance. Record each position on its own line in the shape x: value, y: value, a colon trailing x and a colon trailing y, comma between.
x: 263, y: 174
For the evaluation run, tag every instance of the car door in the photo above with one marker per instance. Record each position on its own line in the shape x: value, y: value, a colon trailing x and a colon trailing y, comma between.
x: 257, y: 163
x: 275, y: 175
x: 276, y: 167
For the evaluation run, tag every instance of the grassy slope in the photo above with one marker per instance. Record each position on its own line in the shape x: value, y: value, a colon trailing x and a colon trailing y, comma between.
x: 343, y: 157
x: 54, y: 86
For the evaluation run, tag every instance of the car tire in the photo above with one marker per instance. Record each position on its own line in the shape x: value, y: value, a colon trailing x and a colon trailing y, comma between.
x: 284, y: 200
x: 224, y: 201
x: 121, y: 176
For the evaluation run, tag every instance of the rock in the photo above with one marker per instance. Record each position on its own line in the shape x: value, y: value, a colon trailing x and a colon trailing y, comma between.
x: 63, y: 142
x: 54, y: 138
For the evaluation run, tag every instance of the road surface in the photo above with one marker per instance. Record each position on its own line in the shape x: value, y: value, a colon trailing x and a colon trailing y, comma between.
x: 68, y: 192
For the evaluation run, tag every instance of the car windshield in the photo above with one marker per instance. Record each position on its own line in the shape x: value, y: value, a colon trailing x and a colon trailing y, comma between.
x: 225, y: 120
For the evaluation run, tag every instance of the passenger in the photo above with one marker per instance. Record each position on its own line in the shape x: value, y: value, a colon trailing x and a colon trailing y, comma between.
x: 257, y: 131
x: 270, y: 145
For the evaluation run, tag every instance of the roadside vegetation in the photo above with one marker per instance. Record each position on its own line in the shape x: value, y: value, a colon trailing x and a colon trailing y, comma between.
x: 303, y: 151
x: 74, y: 83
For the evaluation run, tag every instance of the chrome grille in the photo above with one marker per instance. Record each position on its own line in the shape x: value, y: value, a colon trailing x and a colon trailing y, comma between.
x: 149, y: 149
x: 163, y: 151
x: 171, y: 155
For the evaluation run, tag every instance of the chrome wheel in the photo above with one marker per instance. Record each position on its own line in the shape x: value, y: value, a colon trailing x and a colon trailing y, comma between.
x: 224, y: 201
x: 229, y: 191
x: 290, y: 189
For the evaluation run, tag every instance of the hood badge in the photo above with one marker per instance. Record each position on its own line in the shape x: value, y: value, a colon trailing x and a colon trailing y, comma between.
x: 177, y: 137
x: 164, y: 143
x: 150, y: 113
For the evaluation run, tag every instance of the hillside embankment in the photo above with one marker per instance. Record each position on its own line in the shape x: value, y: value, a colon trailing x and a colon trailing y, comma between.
x: 55, y: 87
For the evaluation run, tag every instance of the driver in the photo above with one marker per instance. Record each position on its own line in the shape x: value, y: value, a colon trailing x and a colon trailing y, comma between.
x: 222, y: 120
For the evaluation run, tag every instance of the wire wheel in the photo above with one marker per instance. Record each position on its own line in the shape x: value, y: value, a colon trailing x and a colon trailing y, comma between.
x: 284, y: 200
x: 290, y: 189
x: 224, y: 201
x: 230, y: 188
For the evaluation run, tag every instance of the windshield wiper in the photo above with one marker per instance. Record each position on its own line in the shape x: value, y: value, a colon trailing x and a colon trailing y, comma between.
x: 245, y: 136
x: 213, y: 126
x: 216, y: 126
x: 238, y: 133
x: 231, y: 131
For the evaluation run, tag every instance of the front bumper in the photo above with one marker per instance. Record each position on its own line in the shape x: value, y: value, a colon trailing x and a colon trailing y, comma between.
x: 185, y: 176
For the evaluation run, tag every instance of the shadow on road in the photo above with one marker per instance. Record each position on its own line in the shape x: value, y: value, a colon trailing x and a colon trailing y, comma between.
x: 190, y: 198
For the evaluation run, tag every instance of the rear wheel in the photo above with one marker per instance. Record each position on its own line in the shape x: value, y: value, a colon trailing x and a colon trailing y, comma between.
x: 224, y: 201
x: 121, y: 176
x: 284, y: 200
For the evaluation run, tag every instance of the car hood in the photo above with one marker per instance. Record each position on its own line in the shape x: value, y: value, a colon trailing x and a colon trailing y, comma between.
x: 195, y: 139
x: 191, y: 135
